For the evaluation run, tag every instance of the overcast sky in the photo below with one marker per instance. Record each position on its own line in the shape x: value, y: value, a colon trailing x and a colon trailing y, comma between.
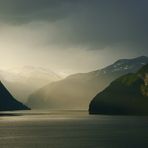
x: 70, y: 36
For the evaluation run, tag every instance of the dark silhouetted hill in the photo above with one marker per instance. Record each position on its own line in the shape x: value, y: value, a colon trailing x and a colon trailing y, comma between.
x: 7, y: 102
x: 126, y: 95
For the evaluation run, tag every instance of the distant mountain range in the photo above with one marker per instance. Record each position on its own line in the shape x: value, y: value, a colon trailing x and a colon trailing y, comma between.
x: 76, y: 91
x: 8, y: 102
x: 126, y: 95
x: 21, y: 82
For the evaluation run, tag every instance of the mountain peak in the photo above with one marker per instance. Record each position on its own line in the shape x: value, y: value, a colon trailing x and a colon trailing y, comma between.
x: 132, y: 59
x: 126, y: 65
x: 142, y: 57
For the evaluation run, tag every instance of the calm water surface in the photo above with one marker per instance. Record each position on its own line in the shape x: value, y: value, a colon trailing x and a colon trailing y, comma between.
x: 72, y: 129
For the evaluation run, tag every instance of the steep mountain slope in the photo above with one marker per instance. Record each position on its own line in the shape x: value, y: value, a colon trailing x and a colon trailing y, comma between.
x: 21, y: 82
x: 76, y: 91
x: 126, y: 95
x: 7, y: 102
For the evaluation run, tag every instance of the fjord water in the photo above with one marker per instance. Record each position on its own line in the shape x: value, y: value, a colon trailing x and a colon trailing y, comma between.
x: 72, y: 129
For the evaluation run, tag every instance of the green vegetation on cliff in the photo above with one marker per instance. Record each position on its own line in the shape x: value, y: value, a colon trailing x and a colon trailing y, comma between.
x: 126, y: 95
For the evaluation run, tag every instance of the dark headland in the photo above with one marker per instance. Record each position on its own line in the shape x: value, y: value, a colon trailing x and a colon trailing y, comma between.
x: 8, y: 102
x: 127, y: 95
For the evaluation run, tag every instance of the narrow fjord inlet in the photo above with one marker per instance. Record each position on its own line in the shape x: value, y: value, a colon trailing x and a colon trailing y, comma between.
x: 73, y: 74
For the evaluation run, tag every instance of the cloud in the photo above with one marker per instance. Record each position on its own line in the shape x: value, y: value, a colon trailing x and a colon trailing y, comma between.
x: 24, y: 11
x: 63, y: 31
x: 95, y: 24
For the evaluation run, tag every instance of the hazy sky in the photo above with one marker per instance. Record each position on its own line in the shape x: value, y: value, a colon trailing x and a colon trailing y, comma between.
x: 70, y: 36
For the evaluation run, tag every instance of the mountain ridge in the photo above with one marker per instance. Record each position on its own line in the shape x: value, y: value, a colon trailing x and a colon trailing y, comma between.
x: 77, y: 90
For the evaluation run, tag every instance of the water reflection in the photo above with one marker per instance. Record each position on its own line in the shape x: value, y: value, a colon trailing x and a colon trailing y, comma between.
x: 72, y: 129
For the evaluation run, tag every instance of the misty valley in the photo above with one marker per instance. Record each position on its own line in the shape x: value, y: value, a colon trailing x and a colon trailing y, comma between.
x: 79, y: 91
x: 82, y: 110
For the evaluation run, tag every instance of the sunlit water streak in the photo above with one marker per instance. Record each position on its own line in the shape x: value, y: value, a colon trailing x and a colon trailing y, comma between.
x: 72, y: 129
